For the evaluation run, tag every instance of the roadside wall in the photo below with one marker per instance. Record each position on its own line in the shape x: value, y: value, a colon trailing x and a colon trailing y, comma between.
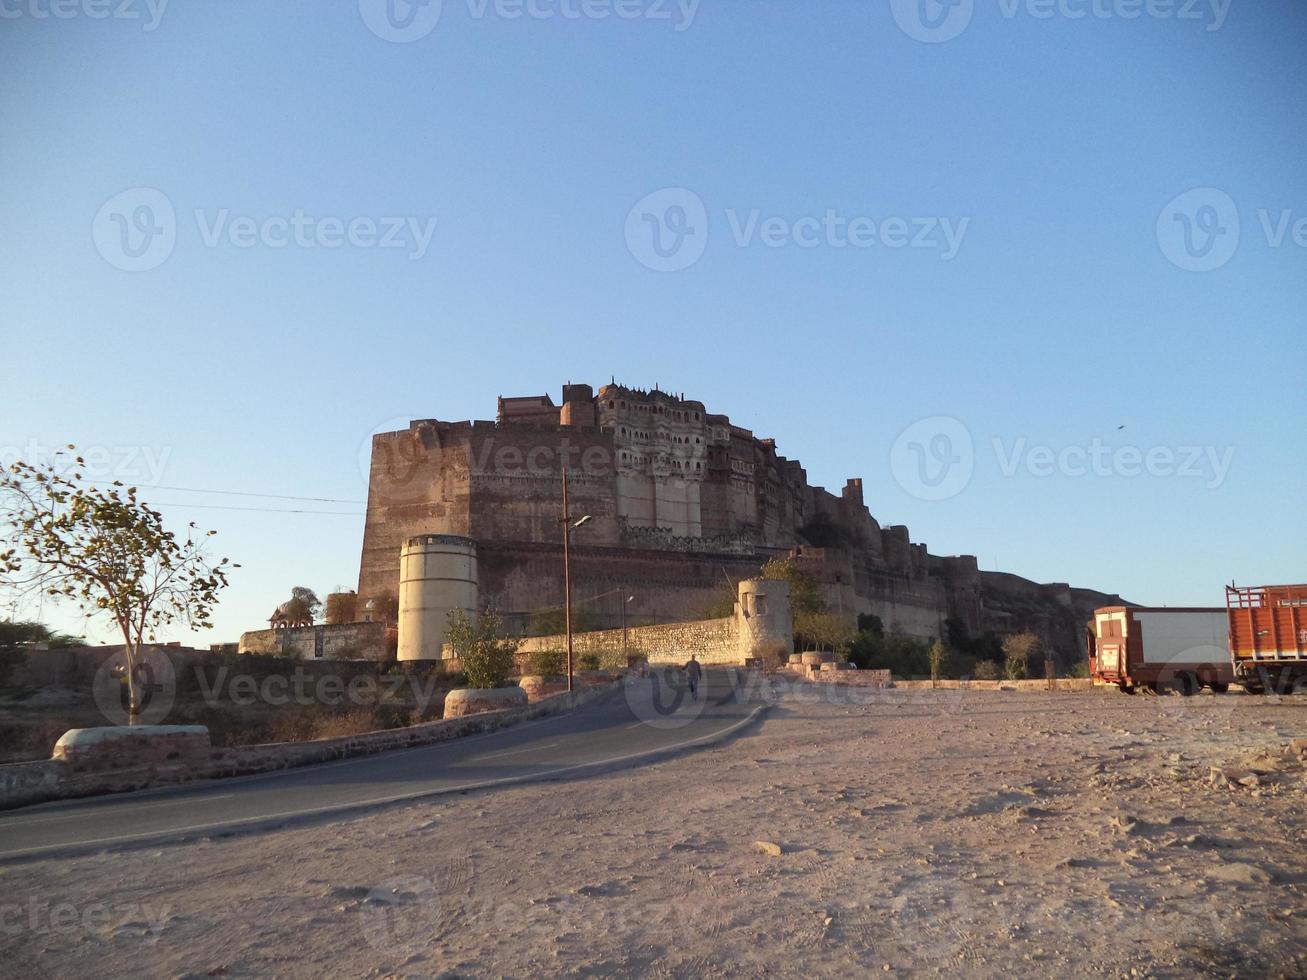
x: 340, y: 641
x: 26, y: 783
x: 713, y: 641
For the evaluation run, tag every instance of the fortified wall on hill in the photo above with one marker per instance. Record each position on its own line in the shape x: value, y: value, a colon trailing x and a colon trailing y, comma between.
x: 683, y: 505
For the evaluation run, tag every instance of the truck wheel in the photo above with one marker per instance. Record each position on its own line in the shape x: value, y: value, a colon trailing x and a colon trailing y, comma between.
x: 1186, y: 684
x: 1219, y: 687
x: 1253, y: 687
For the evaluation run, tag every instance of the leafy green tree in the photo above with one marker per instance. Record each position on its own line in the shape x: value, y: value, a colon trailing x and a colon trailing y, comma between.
x: 805, y: 593
x: 478, y: 642
x: 105, y: 551
x: 553, y: 622
x: 823, y: 631
x: 302, y: 606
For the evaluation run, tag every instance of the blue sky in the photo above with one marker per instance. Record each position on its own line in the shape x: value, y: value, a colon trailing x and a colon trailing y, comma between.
x: 1058, y: 146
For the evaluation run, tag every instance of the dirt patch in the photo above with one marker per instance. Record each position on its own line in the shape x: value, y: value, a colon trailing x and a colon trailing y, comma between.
x: 932, y: 833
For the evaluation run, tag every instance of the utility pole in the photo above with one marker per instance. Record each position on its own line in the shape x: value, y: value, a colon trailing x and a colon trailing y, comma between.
x: 567, y: 578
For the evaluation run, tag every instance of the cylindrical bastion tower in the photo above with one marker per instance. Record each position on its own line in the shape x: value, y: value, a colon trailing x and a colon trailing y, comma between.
x: 437, y: 574
x: 763, y: 619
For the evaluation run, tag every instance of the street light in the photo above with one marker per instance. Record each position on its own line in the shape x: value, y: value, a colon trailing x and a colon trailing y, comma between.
x: 625, y: 602
x: 568, y: 524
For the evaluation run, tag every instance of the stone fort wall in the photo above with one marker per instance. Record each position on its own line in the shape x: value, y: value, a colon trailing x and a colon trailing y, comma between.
x: 683, y: 504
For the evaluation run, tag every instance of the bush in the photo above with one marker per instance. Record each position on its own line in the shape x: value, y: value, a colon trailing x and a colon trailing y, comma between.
x: 1018, y: 650
x: 487, y: 658
x: 902, y: 656
x: 590, y: 661
x: 547, y: 663
x: 986, y: 670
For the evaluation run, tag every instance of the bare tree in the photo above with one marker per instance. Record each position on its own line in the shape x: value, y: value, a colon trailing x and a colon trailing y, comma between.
x: 106, y: 551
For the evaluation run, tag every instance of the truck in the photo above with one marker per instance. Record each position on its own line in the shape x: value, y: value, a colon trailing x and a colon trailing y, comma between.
x: 1162, y: 649
x: 1268, y: 636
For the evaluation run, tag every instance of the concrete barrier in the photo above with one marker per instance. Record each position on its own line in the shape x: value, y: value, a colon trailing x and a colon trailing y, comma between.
x: 464, y: 701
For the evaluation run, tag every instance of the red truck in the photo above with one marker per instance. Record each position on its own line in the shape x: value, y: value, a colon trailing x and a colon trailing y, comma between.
x: 1268, y: 636
x: 1164, y: 649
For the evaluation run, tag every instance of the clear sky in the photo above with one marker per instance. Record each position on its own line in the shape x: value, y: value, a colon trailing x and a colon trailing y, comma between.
x: 949, y: 249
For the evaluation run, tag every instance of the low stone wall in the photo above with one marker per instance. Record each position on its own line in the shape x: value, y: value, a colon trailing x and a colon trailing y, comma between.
x: 713, y: 641
x: 26, y: 783
x: 339, y: 641
x: 867, y: 678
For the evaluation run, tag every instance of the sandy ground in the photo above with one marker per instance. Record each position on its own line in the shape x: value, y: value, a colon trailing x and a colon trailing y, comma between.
x: 921, y: 833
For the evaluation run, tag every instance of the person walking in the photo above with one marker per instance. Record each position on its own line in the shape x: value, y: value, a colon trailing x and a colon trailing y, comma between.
x: 692, y: 674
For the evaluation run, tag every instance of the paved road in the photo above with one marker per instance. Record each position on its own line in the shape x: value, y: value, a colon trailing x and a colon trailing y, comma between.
x: 642, y: 722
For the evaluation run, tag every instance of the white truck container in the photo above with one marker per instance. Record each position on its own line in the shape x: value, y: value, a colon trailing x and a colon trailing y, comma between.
x: 1166, y: 649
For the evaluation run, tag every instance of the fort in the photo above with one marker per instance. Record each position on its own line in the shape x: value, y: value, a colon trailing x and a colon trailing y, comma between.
x: 683, y: 506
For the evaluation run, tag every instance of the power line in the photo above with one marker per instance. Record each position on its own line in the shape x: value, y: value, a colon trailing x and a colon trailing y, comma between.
x: 261, y: 510
x: 249, y: 493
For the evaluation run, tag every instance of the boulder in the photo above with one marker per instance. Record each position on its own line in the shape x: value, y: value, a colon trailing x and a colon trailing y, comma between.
x: 464, y: 701
x: 537, y: 686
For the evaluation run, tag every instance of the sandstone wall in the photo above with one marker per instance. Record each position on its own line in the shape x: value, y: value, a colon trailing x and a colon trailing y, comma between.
x: 342, y: 641
x: 713, y: 641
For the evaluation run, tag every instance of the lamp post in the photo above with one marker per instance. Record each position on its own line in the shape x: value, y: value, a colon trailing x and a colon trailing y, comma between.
x: 568, y: 524
x: 628, y: 599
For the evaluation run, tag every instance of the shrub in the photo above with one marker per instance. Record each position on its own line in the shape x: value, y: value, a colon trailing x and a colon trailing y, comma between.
x: 986, y: 670
x: 590, y: 661
x: 1018, y: 649
x: 547, y: 663
x: 486, y: 656
x: 938, y: 658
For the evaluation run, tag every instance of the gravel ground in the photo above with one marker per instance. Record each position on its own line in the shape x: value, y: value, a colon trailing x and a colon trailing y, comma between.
x: 925, y: 833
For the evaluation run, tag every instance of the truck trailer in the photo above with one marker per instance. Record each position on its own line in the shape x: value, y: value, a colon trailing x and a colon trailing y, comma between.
x: 1163, y: 649
x: 1268, y: 636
